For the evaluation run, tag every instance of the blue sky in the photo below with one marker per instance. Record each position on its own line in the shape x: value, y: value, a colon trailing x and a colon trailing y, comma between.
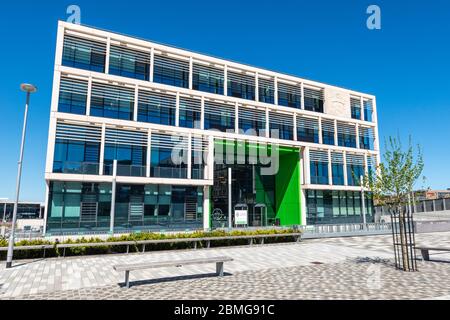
x: 406, y: 64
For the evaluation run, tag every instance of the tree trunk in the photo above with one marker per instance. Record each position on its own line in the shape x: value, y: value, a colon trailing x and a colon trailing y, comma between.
x: 403, y: 239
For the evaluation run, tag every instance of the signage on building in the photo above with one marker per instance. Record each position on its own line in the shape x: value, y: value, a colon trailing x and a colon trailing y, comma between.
x: 241, y: 217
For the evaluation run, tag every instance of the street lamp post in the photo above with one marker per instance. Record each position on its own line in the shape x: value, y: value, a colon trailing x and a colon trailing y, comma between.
x: 29, y: 89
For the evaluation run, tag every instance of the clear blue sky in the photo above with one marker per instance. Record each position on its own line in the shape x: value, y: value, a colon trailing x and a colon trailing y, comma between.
x: 406, y: 64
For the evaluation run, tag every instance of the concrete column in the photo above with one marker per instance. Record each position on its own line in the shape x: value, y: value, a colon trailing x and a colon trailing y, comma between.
x: 330, y: 169
x: 362, y: 109
x: 236, y: 118
x: 88, y: 98
x: 189, y: 157
x: 206, y: 208
x: 113, y: 197
x: 102, y: 151
x: 256, y: 87
x: 177, y: 111
x: 225, y: 80
x: 320, y: 131
x: 358, y: 146
x: 152, y: 64
x: 336, y: 142
x: 275, y: 94
x: 345, y: 169
x: 136, y: 102
x: 210, y: 161
x: 47, y: 205
x: 267, y: 123
x: 202, y: 115
x: 302, y: 90
x: 149, y: 152
x: 191, y: 73
x: 230, y: 199
x: 108, y: 52
x: 295, y: 128
x: 306, y: 161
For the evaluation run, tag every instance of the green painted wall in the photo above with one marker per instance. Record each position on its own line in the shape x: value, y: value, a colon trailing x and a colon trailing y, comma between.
x: 288, y: 189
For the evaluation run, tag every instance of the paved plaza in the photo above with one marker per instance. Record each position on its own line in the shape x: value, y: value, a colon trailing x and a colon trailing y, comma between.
x: 344, y: 268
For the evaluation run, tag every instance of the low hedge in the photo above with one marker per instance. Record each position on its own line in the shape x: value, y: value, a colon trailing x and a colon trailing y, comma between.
x: 100, y: 250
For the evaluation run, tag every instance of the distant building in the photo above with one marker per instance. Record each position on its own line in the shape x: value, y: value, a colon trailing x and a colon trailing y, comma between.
x: 26, y: 210
x: 432, y: 194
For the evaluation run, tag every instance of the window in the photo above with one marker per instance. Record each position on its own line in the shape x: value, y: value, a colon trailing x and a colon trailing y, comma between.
x: 169, y: 156
x: 72, y: 96
x: 346, y: 135
x: 190, y: 113
x: 170, y: 71
x: 154, y: 107
x: 355, y: 108
x: 208, y: 79
x: 289, y: 95
x: 112, y: 102
x: 314, y: 100
x: 328, y: 132
x: 366, y: 138
x: 84, y: 54
x: 308, y: 130
x: 319, y: 167
x: 219, y: 116
x: 368, y: 111
x: 355, y: 169
x: 129, y: 63
x: 252, y: 121
x: 241, y: 85
x: 266, y: 90
x: 281, y: 126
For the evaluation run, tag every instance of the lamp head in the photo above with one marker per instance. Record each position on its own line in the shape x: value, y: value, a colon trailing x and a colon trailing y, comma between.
x: 28, y: 88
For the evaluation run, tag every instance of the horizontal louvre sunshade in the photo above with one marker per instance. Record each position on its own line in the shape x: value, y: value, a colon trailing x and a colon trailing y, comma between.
x: 171, y: 63
x: 84, y: 44
x: 106, y: 91
x: 252, y: 114
x: 366, y: 132
x: 328, y: 126
x: 212, y: 107
x: 70, y: 85
x: 308, y: 123
x: 318, y: 156
x: 129, y: 54
x: 368, y: 104
x: 289, y: 89
x: 78, y: 132
x: 372, y: 161
x: 266, y: 84
x: 167, y: 141
x: 281, y: 119
x: 190, y: 104
x: 241, y: 78
x: 348, y: 129
x: 313, y: 93
x: 207, y: 71
x: 355, y: 159
x: 157, y: 99
x: 356, y: 103
x: 126, y: 137
x: 199, y: 143
x: 337, y: 158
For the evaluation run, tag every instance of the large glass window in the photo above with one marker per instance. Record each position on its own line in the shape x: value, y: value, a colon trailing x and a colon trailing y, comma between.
x: 76, y: 157
x: 170, y: 71
x: 241, y: 85
x: 355, y: 108
x: 368, y: 111
x: 157, y: 108
x: 366, y: 138
x: 338, y: 174
x: 319, y: 167
x: 73, y: 96
x: 328, y: 132
x: 355, y: 169
x: 219, y: 116
x: 190, y: 113
x: 169, y: 156
x: 112, y: 102
x: 308, y: 130
x: 346, y: 135
x: 289, y: 95
x: 314, y: 100
x: 208, y: 79
x: 266, y: 90
x: 281, y: 126
x: 252, y: 121
x: 131, y: 160
x: 84, y: 54
x: 129, y: 63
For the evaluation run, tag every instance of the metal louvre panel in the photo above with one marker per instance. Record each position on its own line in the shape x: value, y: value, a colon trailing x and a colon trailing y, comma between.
x: 372, y: 161
x: 355, y: 159
x: 212, y: 107
x: 200, y: 144
x: 314, y: 93
x: 130, y: 54
x: 252, y: 114
x: 368, y: 104
x: 328, y: 126
x: 281, y: 119
x: 78, y: 132
x: 84, y: 44
x: 171, y: 63
x: 308, y: 123
x: 74, y: 86
x: 367, y: 132
x: 190, y: 104
x: 125, y: 137
x: 289, y: 89
x: 344, y: 128
x: 355, y: 102
x: 105, y: 91
x: 318, y: 156
x: 266, y: 84
x: 241, y: 78
x: 337, y: 158
x: 207, y: 71
x: 168, y: 141
x: 157, y: 99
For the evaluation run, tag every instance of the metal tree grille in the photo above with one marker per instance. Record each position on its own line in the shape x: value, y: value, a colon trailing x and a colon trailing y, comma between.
x: 75, y: 132
x: 404, y: 239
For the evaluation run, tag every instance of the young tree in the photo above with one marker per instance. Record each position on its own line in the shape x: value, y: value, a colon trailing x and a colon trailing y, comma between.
x: 393, y: 182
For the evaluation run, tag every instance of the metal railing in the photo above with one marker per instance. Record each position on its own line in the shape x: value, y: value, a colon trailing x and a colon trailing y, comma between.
x: 356, y: 229
x: 423, y: 206
x: 71, y: 167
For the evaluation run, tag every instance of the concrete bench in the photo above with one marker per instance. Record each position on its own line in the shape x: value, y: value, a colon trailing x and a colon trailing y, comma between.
x: 425, y: 251
x: 127, y: 268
